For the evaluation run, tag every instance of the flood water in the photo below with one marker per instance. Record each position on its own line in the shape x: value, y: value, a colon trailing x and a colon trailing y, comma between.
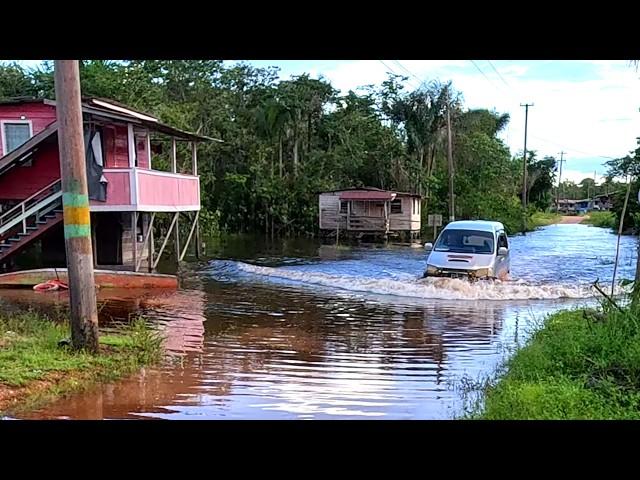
x: 301, y: 331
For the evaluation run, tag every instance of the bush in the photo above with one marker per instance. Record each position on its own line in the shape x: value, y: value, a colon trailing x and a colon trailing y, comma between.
x: 602, y: 219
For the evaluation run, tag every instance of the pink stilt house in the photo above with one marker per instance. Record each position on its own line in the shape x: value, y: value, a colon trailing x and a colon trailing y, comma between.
x: 125, y: 191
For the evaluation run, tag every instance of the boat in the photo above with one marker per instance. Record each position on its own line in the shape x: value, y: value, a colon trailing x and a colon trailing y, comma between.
x: 103, y: 278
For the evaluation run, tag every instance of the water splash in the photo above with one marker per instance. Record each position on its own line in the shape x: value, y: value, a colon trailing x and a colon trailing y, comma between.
x: 428, y: 288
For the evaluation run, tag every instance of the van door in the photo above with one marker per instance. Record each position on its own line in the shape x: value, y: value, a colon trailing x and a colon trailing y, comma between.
x: 502, y: 261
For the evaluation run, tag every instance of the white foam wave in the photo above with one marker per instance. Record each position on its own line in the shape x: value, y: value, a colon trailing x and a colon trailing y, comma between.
x: 435, y: 288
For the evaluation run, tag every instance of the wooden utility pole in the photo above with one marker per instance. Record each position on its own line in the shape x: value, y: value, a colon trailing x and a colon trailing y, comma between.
x: 450, y: 160
x: 558, y: 194
x: 524, y: 167
x: 75, y: 202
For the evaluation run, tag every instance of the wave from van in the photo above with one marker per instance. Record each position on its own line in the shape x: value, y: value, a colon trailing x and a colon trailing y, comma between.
x: 428, y: 288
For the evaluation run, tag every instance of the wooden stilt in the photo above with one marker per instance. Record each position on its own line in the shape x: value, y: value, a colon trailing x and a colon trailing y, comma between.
x: 177, y: 238
x: 151, y: 244
x: 186, y: 245
x: 166, y: 239
x: 134, y: 239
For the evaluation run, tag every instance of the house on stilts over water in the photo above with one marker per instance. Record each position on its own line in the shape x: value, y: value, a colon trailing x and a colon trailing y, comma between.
x: 369, y: 213
x: 126, y: 192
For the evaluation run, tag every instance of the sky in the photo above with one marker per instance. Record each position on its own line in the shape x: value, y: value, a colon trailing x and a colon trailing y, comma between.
x: 590, y: 109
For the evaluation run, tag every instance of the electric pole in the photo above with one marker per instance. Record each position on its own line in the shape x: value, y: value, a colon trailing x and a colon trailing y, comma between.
x: 524, y: 167
x: 75, y: 203
x: 450, y: 159
x: 558, y: 194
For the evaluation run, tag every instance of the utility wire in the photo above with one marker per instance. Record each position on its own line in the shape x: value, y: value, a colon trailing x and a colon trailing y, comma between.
x: 501, y: 77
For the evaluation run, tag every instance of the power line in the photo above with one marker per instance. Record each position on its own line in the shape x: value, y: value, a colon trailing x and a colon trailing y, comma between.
x: 392, y: 70
x: 501, y: 77
x: 409, y: 72
x: 422, y: 82
x: 572, y: 149
x: 483, y: 74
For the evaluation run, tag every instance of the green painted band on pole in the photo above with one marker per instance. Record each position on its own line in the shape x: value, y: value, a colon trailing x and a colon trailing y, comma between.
x: 75, y: 199
x: 76, y: 231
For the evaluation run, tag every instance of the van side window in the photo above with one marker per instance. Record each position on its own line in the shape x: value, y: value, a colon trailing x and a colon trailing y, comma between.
x: 502, y: 240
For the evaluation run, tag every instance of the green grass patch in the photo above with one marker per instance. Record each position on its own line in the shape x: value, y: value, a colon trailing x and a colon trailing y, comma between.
x: 601, y: 219
x: 542, y: 219
x: 582, y: 364
x: 30, y: 357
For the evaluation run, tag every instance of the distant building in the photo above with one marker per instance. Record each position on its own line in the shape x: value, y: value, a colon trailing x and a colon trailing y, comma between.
x: 360, y: 211
x: 601, y: 202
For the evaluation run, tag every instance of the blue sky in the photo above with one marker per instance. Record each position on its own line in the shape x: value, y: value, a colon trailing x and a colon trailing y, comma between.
x: 587, y: 108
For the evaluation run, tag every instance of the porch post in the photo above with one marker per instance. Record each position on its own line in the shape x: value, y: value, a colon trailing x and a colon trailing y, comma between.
x: 194, y: 170
x: 131, y: 142
x: 174, y: 155
x: 387, y: 204
x: 194, y: 159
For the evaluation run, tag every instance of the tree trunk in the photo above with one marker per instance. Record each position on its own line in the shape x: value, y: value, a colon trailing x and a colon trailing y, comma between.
x: 280, y: 156
x: 308, y: 135
x: 296, y: 141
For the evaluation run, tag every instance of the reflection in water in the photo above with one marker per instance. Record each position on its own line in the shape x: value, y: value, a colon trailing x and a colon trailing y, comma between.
x: 254, y: 345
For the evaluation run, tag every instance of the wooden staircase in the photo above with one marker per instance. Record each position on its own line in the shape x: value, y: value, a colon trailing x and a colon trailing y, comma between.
x: 28, y: 220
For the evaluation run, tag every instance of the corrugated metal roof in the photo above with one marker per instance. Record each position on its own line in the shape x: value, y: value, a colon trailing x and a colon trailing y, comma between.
x: 115, y: 110
x: 367, y: 195
x: 371, y: 189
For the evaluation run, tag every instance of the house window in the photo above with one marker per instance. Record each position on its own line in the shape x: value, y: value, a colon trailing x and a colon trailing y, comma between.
x: 343, y: 207
x: 14, y: 134
x: 396, y: 206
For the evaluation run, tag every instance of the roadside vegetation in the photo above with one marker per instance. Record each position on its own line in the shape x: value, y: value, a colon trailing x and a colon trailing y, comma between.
x: 601, y: 219
x: 37, y: 365
x: 582, y: 364
x: 542, y: 219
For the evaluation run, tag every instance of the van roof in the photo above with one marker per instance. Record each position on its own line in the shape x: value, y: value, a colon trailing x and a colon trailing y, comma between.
x: 482, y: 225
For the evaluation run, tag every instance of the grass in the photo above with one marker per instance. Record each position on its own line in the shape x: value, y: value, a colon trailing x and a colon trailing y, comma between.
x: 34, y: 368
x: 542, y: 219
x: 601, y: 219
x: 582, y: 364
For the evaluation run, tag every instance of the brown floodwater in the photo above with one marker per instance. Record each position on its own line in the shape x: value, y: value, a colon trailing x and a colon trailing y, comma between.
x: 303, y: 331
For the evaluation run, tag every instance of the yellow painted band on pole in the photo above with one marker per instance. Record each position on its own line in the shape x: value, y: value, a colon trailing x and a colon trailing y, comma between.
x: 77, y: 215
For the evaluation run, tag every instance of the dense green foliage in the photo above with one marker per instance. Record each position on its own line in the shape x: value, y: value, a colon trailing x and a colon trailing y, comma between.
x: 286, y: 140
x: 627, y: 167
x: 582, y: 364
x: 601, y: 219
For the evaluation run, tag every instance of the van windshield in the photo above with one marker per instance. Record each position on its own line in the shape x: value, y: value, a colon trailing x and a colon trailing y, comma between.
x: 465, y: 241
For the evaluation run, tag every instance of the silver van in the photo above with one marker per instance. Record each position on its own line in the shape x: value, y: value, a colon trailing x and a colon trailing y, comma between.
x: 469, y: 249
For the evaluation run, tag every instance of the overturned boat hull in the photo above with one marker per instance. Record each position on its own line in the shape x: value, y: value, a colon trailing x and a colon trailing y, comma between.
x: 103, y: 278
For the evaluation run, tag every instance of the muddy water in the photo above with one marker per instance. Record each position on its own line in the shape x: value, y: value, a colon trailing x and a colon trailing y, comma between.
x: 300, y: 331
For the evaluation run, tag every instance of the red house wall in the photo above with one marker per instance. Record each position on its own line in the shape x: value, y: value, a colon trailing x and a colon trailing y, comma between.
x: 116, y: 147
x: 22, y: 182
x: 41, y: 116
